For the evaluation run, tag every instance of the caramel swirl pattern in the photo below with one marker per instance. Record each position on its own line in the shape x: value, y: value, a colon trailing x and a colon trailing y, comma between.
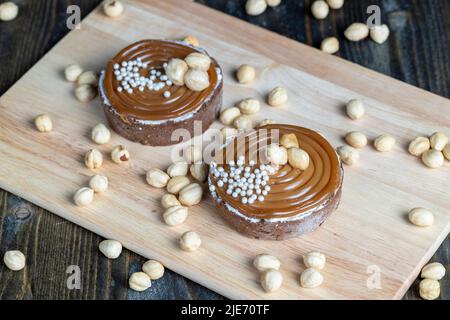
x: 293, y: 192
x: 152, y: 105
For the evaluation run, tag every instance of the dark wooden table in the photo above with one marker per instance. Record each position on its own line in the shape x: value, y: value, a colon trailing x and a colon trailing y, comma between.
x: 418, y: 52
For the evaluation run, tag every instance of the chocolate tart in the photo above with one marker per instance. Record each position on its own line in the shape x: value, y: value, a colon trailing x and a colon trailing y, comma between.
x: 148, y: 116
x: 298, y: 201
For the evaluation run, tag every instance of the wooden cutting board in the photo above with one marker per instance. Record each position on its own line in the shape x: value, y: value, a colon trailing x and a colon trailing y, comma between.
x: 367, y: 239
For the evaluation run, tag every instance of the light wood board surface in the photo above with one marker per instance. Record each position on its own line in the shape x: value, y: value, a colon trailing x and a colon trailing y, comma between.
x: 369, y: 232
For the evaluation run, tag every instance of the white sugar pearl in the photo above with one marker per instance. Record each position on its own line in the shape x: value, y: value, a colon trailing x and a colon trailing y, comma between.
x: 119, y: 78
x: 235, y: 184
x: 267, y: 188
x: 251, y: 163
x: 251, y: 186
x: 258, y: 181
x: 264, y: 192
x: 225, y: 179
x: 220, y: 183
x: 244, y: 200
x: 249, y: 192
x: 158, y: 74
x: 126, y: 86
x: 257, y: 171
x: 244, y: 187
x: 141, y: 88
x: 163, y: 78
x: 220, y: 169
x: 247, y: 175
x: 165, y: 64
x: 238, y: 190
x: 261, y: 198
x: 153, y: 71
x: 234, y: 195
x: 166, y: 94
x: 116, y: 66
x: 229, y: 191
x: 130, y: 90
x: 254, y: 197
x: 124, y: 64
x: 145, y: 65
x: 153, y: 78
x: 119, y: 89
x: 117, y: 72
x: 243, y: 193
x: 135, y: 69
x: 232, y: 174
x: 258, y: 191
x: 251, y: 201
x: 216, y: 174
x: 247, y: 169
x: 169, y: 83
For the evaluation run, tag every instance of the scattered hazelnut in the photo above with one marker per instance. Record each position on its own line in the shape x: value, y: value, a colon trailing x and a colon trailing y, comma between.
x: 193, y: 154
x: 298, y: 158
x: 429, y: 289
x: 83, y: 197
x: 139, y: 281
x: 196, y: 79
x: 273, y: 3
x: 228, y: 132
x: 320, y: 9
x: 355, y: 109
x: 157, y: 178
x: 14, y: 260
x: 276, y: 154
x: 348, y: 155
x: 384, y: 142
x: 446, y: 151
x: 433, y: 158
x: 418, y: 146
x: 289, y: 140
x: 335, y: 4
x: 85, y: 93
x: 72, y: 72
x: 120, y: 154
x: 277, y: 97
x: 311, y: 278
x: 176, y: 70
x: 88, y: 77
x: 421, y: 217
x: 314, y: 260
x: 8, y: 11
x: 93, y: 159
x: 98, y: 183
x: 249, y: 106
x: 190, y: 241
x: 330, y: 45
x: 438, y: 141
x: 193, y: 41
x: 228, y: 115
x: 191, y: 194
x: 264, y: 262
x: 113, y: 8
x: 169, y: 200
x: 356, y: 31
x: 110, y: 248
x: 433, y: 271
x: 266, y: 122
x: 245, y: 74
x: 154, y: 269
x: 356, y: 139
x: 177, y: 169
x: 175, y: 215
x: 197, y: 60
x: 100, y: 134
x: 243, y: 123
x: 175, y: 184
x: 255, y: 7
x: 379, y: 34
x: 43, y: 123
x: 271, y: 280
x: 199, y: 171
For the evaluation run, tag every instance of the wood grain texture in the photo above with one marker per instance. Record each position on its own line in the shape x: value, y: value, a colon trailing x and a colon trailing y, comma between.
x: 88, y: 251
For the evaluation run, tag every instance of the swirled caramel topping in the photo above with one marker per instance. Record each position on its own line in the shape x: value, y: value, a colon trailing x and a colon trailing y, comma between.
x: 151, y: 104
x: 292, y: 191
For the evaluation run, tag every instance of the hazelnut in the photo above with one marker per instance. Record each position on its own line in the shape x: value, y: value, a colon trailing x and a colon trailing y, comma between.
x: 72, y: 72
x: 379, y: 34
x: 197, y: 60
x: 433, y: 271
x: 264, y: 262
x: 177, y: 169
x: 438, y: 141
x: 100, y: 134
x: 348, y: 155
x: 433, y: 158
x: 228, y: 115
x: 276, y: 154
x: 154, y: 269
x: 320, y: 9
x: 243, y: 123
x: 193, y: 154
x: 169, y: 200
x: 139, y: 281
x: 384, y: 143
x: 190, y: 241
x: 311, y: 278
x: 98, y: 183
x: 335, y: 4
x: 356, y: 139
x: 289, y: 140
x: 446, y: 151
x: 157, y: 178
x: 120, y: 154
x: 228, y: 132
x: 330, y: 45
x: 191, y: 40
x: 298, y: 158
x: 277, y: 97
x: 176, y: 70
x: 88, y: 77
x: 273, y: 3
x: 356, y: 31
x: 14, y: 260
x: 8, y: 11
x: 249, y: 106
x: 93, y: 159
x: 113, y: 8
x: 199, y: 171
x: 314, y: 260
x: 191, y: 194
x: 43, y: 123
x: 355, y: 109
x: 255, y: 7
x: 266, y: 122
x: 83, y: 197
x: 421, y: 217
x: 85, y: 93
x: 418, y: 146
x: 175, y: 215
x: 271, y: 280
x: 175, y: 184
x: 196, y: 79
x: 245, y: 74
x: 110, y: 248
x: 429, y: 289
